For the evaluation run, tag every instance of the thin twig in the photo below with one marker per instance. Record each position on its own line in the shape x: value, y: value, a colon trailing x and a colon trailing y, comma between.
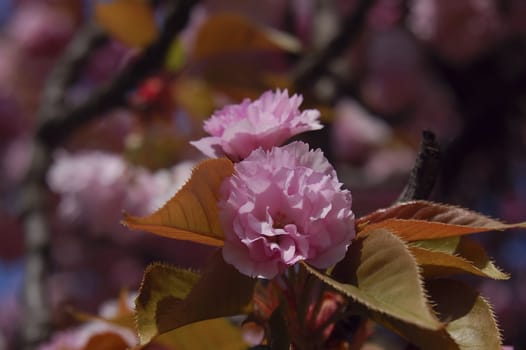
x: 425, y: 171
x: 68, y: 68
x: 36, y: 309
x: 313, y: 66
x: 37, y: 318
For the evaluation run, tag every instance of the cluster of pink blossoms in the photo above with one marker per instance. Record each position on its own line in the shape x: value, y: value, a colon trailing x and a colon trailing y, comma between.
x: 283, y: 204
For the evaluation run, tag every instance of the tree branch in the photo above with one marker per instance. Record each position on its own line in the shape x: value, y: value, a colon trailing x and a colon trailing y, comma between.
x: 425, y: 171
x: 37, y: 317
x: 313, y: 66
x: 54, y: 131
x: 68, y: 68
x: 57, y: 121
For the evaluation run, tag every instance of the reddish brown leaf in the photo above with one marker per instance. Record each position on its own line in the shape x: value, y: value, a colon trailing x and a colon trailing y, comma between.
x: 430, y: 211
x: 414, y: 230
x: 421, y: 220
x: 227, y: 33
x: 192, y: 213
x: 237, y: 56
x: 106, y: 341
x: 170, y: 298
x: 129, y: 21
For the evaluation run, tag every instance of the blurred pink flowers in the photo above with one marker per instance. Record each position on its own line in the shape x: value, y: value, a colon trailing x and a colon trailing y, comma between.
x: 268, y: 121
x: 458, y: 30
x: 41, y: 29
x: 356, y: 133
x: 330, y: 302
x: 95, y: 187
x: 283, y: 206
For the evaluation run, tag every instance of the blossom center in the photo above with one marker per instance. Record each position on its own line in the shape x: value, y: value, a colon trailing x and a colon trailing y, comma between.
x: 280, y: 221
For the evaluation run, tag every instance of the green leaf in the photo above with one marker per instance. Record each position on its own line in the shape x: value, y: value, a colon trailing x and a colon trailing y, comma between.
x: 217, y: 334
x: 470, y: 326
x: 170, y: 298
x: 230, y: 33
x: 192, y: 213
x: 379, y: 273
x: 155, y: 146
x: 196, y: 97
x: 470, y: 319
x: 445, y: 245
x: 421, y: 220
x: 159, y: 282
x: 175, y: 57
x: 453, y: 256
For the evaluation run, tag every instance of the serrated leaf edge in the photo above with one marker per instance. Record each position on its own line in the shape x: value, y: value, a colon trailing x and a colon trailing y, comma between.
x: 493, y: 318
x: 505, y: 275
x: 363, y: 220
x: 427, y: 299
x: 142, y: 341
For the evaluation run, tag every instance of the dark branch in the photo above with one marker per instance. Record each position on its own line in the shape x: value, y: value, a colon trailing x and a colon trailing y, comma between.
x: 37, y: 316
x: 313, y: 66
x: 425, y: 171
x: 54, y: 131
x: 68, y: 68
x: 58, y: 120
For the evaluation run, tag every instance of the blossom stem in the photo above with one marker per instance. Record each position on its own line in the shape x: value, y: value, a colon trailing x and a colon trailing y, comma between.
x: 301, y: 285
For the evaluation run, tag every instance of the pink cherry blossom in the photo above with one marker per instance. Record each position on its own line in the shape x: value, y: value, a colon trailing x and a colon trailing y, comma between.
x: 266, y: 122
x: 282, y: 206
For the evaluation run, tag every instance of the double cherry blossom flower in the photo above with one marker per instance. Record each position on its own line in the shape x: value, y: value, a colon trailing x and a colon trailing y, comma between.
x: 283, y: 204
x: 266, y: 122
